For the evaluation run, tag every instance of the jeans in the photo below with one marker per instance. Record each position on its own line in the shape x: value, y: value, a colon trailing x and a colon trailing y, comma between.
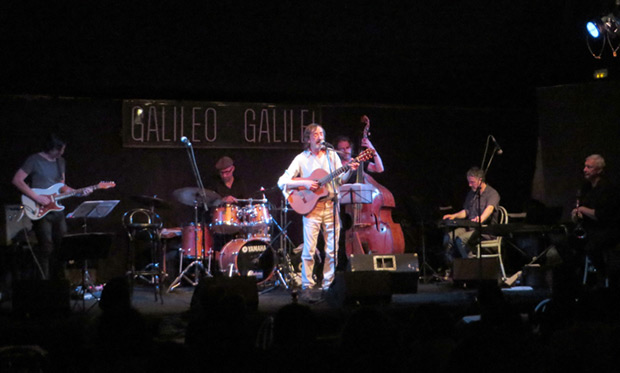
x: 49, y: 230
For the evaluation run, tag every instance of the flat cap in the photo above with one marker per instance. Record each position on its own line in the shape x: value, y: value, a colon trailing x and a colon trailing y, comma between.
x: 223, y: 163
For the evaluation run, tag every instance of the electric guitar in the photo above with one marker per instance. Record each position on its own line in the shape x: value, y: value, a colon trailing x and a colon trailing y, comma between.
x: 303, y: 200
x: 36, y: 211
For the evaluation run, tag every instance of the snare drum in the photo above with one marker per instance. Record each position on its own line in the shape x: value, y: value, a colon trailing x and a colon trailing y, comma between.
x: 226, y: 220
x: 249, y: 258
x: 189, y: 241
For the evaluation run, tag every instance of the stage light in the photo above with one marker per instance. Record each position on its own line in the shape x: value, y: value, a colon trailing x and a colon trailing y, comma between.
x: 593, y: 28
x: 604, y: 30
x: 607, y: 26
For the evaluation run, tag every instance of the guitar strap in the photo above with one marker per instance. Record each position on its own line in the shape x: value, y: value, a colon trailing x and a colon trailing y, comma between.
x: 59, y: 169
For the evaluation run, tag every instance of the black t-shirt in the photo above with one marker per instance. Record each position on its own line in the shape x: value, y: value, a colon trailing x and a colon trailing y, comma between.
x: 238, y: 189
x: 603, y: 198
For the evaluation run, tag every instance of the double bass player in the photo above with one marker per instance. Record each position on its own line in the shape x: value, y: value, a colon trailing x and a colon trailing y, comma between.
x: 372, y: 229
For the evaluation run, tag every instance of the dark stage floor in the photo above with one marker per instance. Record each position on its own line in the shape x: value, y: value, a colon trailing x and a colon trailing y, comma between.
x: 422, y: 329
x: 169, y: 313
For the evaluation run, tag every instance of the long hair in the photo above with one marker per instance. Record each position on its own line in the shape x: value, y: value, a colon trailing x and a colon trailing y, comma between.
x: 308, y: 132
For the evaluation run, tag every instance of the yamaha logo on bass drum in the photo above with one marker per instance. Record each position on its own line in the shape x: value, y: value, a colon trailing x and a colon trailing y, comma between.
x: 254, y: 249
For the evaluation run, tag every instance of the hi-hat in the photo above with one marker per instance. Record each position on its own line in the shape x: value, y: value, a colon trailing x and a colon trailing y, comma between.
x: 191, y: 196
x: 152, y: 201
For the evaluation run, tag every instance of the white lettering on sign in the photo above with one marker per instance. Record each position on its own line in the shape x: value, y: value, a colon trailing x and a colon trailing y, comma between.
x: 163, y: 123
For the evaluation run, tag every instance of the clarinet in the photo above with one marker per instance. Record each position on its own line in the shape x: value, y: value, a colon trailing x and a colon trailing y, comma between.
x: 579, y: 231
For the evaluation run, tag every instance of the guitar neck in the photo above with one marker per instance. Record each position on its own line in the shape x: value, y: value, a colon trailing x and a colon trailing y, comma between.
x: 326, y: 179
x: 360, y: 158
x: 74, y: 192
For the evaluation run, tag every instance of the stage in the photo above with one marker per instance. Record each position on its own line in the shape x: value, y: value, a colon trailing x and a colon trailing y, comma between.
x: 172, y: 333
x: 170, y: 311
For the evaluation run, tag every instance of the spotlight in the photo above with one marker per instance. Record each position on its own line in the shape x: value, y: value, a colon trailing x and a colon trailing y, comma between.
x: 604, y: 30
x: 594, y: 28
x: 606, y: 26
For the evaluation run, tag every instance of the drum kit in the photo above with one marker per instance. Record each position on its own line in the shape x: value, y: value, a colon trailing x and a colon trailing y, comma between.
x: 245, y: 227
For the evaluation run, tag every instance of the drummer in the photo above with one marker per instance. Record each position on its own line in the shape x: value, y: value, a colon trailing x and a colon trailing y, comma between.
x: 227, y: 185
x: 230, y: 188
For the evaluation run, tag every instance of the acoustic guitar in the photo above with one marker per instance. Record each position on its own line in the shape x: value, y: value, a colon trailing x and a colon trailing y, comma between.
x: 303, y: 200
x: 36, y: 211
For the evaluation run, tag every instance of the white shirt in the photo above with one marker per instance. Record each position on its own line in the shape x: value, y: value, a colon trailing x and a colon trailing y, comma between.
x: 306, y: 162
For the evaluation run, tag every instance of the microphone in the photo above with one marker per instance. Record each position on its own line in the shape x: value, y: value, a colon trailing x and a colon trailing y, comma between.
x: 497, y: 147
x: 185, y: 141
x: 326, y: 144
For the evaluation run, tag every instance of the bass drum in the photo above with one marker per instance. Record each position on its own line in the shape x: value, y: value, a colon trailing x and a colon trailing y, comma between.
x: 248, y: 258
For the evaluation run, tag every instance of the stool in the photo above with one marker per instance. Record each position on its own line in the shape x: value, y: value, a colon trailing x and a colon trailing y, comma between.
x: 144, y: 226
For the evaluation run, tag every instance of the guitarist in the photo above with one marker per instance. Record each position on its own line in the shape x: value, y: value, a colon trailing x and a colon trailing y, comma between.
x: 322, y: 216
x: 42, y: 170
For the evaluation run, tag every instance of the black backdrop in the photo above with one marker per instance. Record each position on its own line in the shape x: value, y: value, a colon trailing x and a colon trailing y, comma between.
x: 426, y: 151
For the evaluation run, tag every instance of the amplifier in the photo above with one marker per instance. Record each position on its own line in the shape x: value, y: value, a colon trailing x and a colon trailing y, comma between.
x: 12, y: 222
x: 403, y: 269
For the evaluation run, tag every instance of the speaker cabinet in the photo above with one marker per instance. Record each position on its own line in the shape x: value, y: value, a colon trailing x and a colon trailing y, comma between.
x: 12, y: 223
x: 41, y: 298
x: 214, y: 288
x: 403, y: 269
x: 474, y: 270
x: 361, y: 287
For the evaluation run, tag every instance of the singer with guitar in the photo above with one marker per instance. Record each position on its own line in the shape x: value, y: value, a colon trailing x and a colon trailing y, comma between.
x: 41, y: 171
x: 314, y: 198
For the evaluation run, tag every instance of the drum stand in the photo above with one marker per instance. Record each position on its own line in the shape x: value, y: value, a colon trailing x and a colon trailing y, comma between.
x: 197, y: 265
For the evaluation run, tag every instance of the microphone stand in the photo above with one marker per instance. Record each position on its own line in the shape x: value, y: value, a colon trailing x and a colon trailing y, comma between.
x: 336, y: 203
x: 484, y: 166
x: 203, y: 196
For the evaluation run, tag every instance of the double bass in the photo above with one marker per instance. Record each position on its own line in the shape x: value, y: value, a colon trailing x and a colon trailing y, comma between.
x: 372, y: 230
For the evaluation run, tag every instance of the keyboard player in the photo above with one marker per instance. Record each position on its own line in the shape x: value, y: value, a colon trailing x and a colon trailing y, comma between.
x: 480, y: 205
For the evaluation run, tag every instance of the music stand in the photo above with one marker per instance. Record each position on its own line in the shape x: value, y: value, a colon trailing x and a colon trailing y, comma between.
x: 88, y: 246
x: 93, y: 210
x: 356, y: 193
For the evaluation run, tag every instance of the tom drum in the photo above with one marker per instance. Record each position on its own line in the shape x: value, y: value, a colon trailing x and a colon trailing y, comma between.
x: 189, y: 243
x: 226, y: 220
x: 256, y: 220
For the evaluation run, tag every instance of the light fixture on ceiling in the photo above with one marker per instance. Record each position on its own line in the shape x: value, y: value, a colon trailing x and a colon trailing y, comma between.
x: 605, y: 29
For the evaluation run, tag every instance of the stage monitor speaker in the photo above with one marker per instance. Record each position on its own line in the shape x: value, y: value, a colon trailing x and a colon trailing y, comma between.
x: 474, y: 270
x: 217, y: 287
x: 362, y: 287
x: 13, y: 222
x: 41, y: 298
x: 403, y: 269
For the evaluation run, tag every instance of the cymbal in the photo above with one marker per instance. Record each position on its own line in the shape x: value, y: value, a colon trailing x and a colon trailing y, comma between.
x: 191, y: 195
x: 152, y: 201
